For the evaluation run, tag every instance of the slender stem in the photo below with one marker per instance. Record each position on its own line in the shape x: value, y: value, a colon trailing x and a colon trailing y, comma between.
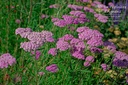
x: 30, y: 13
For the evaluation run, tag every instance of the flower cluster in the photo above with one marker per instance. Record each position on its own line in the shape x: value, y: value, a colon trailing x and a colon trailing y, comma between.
x: 101, y: 18
x: 75, y: 7
x: 52, y: 68
x: 75, y: 18
x: 105, y: 67
x: 87, y: 9
x: 36, y: 39
x: 77, y: 46
x: 52, y: 51
x: 6, y: 60
x: 88, y: 61
x: 93, y: 37
x: 120, y: 59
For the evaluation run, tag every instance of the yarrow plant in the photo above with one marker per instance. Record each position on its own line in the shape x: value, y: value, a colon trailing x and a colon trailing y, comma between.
x: 78, y: 16
x: 6, y: 60
x: 52, y: 68
x: 36, y: 39
x: 80, y: 52
x: 77, y: 46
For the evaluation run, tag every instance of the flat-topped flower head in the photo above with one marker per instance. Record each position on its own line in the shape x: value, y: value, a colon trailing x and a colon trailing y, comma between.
x: 22, y: 30
x: 52, y: 51
x: 87, y: 9
x: 78, y: 55
x: 6, y: 60
x: 120, y: 59
x: 78, y: 14
x: 104, y: 66
x: 95, y: 41
x: 29, y: 46
x: 75, y: 7
x: 52, y: 68
x: 62, y: 45
x: 60, y: 23
x: 67, y: 37
x: 90, y: 59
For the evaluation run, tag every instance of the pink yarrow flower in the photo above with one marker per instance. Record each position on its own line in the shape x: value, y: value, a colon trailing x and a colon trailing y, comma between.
x: 52, y: 51
x: 104, y: 67
x: 90, y: 59
x: 6, y: 60
x: 75, y: 7
x: 62, y: 45
x: 52, y: 68
x: 78, y: 55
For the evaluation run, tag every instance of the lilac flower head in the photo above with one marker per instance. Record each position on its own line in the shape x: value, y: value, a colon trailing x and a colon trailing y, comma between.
x: 95, y: 41
x: 90, y: 59
x: 103, y: 7
x: 78, y: 14
x: 101, y: 18
x: 81, y: 29
x: 104, y: 66
x: 78, y: 20
x: 68, y: 19
x: 120, y: 59
x: 29, y: 46
x: 67, y: 37
x: 52, y: 51
x: 78, y: 44
x: 62, y: 45
x: 22, y: 30
x: 78, y: 55
x: 87, y: 9
x: 75, y: 7
x: 48, y: 36
x: 6, y: 60
x: 36, y: 37
x: 87, y: 34
x: 52, y: 68
x: 60, y: 23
